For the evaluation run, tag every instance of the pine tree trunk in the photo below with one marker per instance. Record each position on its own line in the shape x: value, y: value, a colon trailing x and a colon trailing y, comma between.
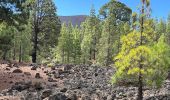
x: 14, y: 52
x: 35, y: 34
x: 84, y: 60
x: 90, y: 58
x: 34, y: 52
x: 140, y: 84
x: 23, y: 55
x: 4, y: 55
x: 140, y: 87
x: 108, y: 50
x: 94, y: 50
x: 63, y: 56
x: 75, y: 55
x: 20, y: 53
x: 68, y: 57
x: 118, y: 44
x: 74, y: 59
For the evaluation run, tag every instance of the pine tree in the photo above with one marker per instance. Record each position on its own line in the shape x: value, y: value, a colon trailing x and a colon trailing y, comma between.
x: 123, y: 13
x: 103, y: 45
x: 46, y: 26
x: 139, y: 56
x: 108, y: 37
x: 9, y: 11
x: 168, y: 29
x: 160, y: 28
x: 115, y: 15
x: 134, y: 20
x: 121, y: 29
x: 61, y: 48
x: 69, y: 42
x: 154, y: 62
x: 6, y: 38
x: 91, y: 34
x: 66, y: 51
x: 22, y: 43
x: 76, y: 45
x: 86, y: 42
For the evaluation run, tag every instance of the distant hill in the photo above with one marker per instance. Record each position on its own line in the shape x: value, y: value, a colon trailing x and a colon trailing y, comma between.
x: 75, y: 20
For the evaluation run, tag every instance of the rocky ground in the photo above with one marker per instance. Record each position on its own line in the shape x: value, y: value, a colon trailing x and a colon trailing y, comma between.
x: 67, y: 82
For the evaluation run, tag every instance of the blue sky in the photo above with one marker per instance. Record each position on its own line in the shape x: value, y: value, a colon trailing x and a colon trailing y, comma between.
x: 160, y: 8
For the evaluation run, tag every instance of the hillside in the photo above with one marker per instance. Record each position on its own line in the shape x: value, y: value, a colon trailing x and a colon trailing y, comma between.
x: 75, y: 20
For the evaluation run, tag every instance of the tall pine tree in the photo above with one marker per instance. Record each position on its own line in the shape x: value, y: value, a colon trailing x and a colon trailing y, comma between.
x: 46, y: 27
x: 91, y: 34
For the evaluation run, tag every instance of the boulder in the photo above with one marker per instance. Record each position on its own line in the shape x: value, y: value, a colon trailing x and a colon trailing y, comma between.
x: 38, y: 86
x: 15, y: 65
x: 9, y: 65
x: 110, y: 97
x: 71, y: 95
x: 33, y: 68
x: 10, y: 82
x: 46, y: 93
x: 86, y: 97
x: 67, y: 67
x: 17, y: 71
x: 20, y: 86
x: 27, y: 73
x: 52, y: 67
x: 58, y: 96
x: 51, y: 79
x: 7, y: 68
x: 37, y: 75
x: 56, y: 75
x: 46, y: 71
x: 34, y: 64
x: 31, y: 96
x: 63, y: 90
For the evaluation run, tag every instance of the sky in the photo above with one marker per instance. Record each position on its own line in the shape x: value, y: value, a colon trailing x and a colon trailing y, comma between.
x: 160, y: 8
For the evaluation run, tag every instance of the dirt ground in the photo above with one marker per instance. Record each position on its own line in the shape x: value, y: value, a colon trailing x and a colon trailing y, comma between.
x: 8, y: 78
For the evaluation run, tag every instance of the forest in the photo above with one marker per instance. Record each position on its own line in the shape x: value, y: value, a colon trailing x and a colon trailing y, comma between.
x: 133, y: 45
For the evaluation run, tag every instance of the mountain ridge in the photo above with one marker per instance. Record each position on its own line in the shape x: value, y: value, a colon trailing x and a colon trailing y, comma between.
x: 74, y: 19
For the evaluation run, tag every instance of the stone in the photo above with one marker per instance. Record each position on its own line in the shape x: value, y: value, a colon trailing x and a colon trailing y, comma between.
x: 67, y: 67
x: 53, y: 72
x: 34, y: 64
x: 52, y: 67
x: 7, y: 68
x: 17, y: 71
x: 9, y: 65
x: 46, y: 71
x: 33, y: 68
x: 63, y: 90
x: 15, y: 65
x: 10, y: 82
x: 56, y: 75
x: 31, y: 96
x: 110, y: 97
x: 46, y: 93
x: 58, y: 96
x: 37, y: 75
x: 38, y: 86
x: 42, y: 68
x: 86, y: 97
x: 20, y: 86
x: 51, y: 79
x: 27, y: 73
x: 71, y: 95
